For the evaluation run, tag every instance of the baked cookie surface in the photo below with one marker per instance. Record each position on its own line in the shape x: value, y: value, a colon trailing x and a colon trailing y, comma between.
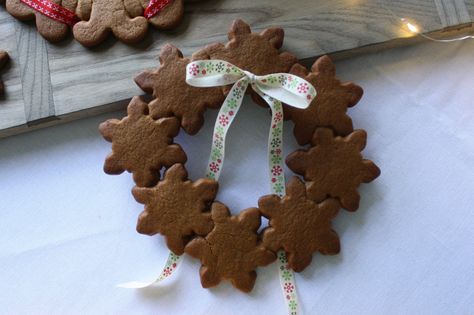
x: 141, y: 145
x: 232, y: 250
x: 176, y: 207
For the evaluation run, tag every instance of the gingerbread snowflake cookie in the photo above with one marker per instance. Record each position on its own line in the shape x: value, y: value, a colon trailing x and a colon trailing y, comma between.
x: 330, y: 106
x: 255, y: 52
x: 176, y: 208
x: 173, y: 96
x: 50, y: 29
x: 232, y: 250
x: 334, y: 166
x: 3, y: 60
x: 101, y: 17
x: 141, y: 145
x: 299, y: 225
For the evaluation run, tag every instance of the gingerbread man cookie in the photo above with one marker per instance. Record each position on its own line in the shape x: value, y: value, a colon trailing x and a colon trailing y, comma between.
x: 168, y: 17
x: 334, y: 167
x: 255, y: 52
x: 329, y: 107
x: 232, y: 250
x: 141, y: 145
x: 100, y: 17
x: 50, y: 29
x: 3, y: 60
x: 173, y: 96
x: 176, y: 207
x: 299, y: 225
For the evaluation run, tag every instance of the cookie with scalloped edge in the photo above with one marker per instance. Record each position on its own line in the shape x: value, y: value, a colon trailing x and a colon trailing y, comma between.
x: 334, y: 167
x: 173, y: 96
x: 167, y: 17
x: 298, y: 225
x: 141, y: 145
x: 102, y: 17
x: 232, y: 250
x: 258, y: 53
x: 50, y: 29
x: 329, y: 107
x: 176, y: 207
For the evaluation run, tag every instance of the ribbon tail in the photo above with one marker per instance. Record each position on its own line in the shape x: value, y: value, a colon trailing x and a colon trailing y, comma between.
x: 275, y: 165
x: 227, y: 113
x: 171, y: 265
x: 288, y: 284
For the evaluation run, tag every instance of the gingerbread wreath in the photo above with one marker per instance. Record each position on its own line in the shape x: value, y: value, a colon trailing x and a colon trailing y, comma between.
x: 186, y: 212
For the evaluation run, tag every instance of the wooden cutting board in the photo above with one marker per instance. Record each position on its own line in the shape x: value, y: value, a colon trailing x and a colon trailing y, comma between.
x: 52, y: 83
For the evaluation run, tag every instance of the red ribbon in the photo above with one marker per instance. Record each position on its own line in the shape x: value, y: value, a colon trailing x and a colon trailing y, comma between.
x: 154, y: 7
x: 61, y: 14
x: 53, y: 11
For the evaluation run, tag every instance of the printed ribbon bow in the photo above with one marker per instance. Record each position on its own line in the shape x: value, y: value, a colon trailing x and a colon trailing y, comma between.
x: 274, y: 89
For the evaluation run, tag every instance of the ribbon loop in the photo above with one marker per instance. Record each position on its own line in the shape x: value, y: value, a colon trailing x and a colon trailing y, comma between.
x: 287, y: 88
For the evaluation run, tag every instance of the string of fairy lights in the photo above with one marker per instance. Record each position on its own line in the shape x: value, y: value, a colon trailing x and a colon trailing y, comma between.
x: 412, y: 27
x: 416, y: 30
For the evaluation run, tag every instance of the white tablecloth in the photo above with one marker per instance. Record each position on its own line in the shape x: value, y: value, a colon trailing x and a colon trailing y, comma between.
x: 67, y: 230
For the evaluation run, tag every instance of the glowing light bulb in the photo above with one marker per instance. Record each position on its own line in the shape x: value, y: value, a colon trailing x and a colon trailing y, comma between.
x: 411, y: 27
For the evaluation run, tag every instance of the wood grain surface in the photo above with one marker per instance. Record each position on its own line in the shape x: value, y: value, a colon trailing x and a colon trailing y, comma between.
x: 52, y: 83
x: 12, y: 108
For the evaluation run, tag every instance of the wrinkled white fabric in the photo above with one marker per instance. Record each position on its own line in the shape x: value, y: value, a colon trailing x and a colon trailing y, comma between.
x: 67, y: 230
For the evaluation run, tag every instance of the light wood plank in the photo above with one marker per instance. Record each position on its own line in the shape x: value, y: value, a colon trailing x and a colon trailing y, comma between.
x: 452, y: 12
x: 36, y: 81
x: 12, y: 113
x: 86, y: 81
x: 104, y: 75
x: 470, y: 8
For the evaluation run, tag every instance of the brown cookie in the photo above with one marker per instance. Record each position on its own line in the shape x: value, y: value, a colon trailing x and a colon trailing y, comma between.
x: 298, y: 225
x: 254, y: 52
x: 3, y: 60
x: 50, y: 29
x: 329, y: 107
x: 174, y: 97
x: 169, y: 17
x: 176, y: 207
x: 232, y: 250
x: 334, y: 167
x: 100, y: 17
x: 141, y: 145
